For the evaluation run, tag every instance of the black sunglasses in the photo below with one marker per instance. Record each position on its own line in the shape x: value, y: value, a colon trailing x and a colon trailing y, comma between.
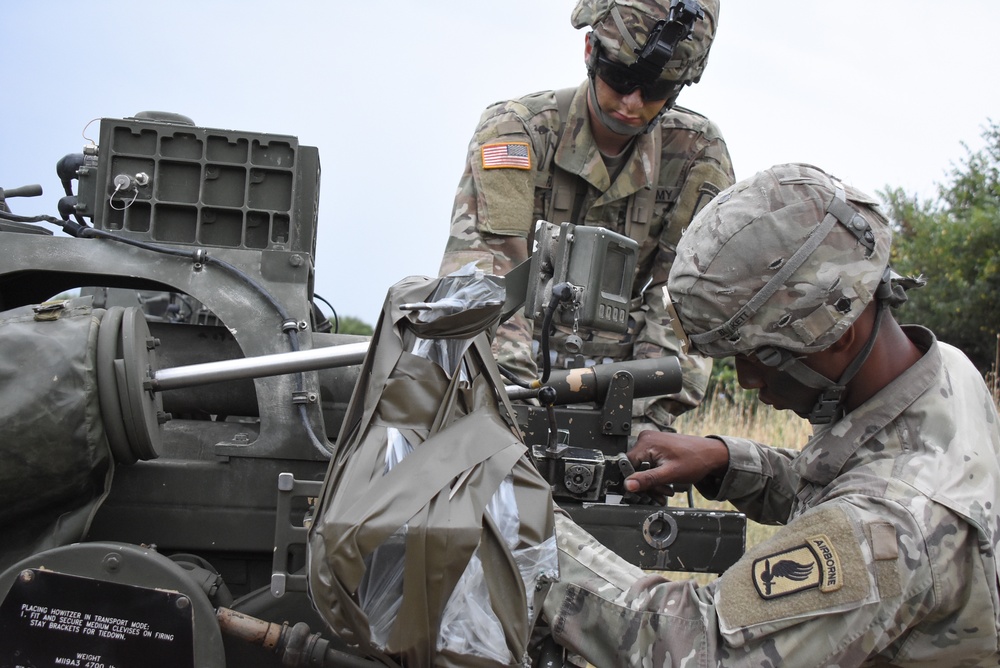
x: 623, y: 81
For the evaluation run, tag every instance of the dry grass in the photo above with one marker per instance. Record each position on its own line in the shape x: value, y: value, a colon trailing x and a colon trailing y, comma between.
x: 745, y: 417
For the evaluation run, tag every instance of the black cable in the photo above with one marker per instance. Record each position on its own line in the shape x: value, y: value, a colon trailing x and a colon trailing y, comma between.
x: 313, y: 438
x: 68, y: 169
x: 336, y: 319
x: 512, y: 377
x: 561, y: 292
x: 31, y: 219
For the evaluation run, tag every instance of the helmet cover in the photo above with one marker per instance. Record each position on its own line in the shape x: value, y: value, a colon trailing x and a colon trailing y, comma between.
x: 735, y: 285
x: 639, y: 17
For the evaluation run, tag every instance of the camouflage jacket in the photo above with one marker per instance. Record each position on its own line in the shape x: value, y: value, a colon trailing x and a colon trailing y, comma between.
x: 499, y: 200
x: 888, y: 555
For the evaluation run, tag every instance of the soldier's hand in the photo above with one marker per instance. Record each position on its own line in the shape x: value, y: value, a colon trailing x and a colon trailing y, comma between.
x: 674, y: 459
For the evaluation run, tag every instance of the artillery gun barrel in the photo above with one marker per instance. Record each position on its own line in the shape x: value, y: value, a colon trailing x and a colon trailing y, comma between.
x: 258, y: 367
x: 651, y: 376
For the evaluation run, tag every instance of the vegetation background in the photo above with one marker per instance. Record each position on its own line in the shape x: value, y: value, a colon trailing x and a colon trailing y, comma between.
x: 954, y: 241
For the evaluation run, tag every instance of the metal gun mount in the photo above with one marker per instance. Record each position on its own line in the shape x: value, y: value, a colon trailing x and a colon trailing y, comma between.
x: 579, y: 442
x: 586, y: 467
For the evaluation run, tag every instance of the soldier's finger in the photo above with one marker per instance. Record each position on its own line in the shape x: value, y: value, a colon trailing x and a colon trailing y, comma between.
x: 648, y: 480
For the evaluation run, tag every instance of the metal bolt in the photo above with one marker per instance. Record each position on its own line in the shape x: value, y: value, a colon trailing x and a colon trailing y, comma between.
x: 286, y: 482
x: 183, y: 602
x: 112, y: 562
x: 27, y: 576
x: 296, y: 260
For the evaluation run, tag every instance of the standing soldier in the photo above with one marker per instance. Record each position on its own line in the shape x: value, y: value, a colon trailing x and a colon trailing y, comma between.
x: 614, y: 152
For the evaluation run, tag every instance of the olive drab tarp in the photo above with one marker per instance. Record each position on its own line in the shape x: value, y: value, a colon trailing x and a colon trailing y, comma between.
x: 433, y: 524
x: 57, y: 464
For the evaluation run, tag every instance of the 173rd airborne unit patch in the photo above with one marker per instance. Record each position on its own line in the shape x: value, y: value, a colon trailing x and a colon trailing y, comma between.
x: 812, y: 564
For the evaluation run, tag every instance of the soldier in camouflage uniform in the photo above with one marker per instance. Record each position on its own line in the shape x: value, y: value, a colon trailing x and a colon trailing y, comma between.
x: 614, y: 152
x: 889, y: 550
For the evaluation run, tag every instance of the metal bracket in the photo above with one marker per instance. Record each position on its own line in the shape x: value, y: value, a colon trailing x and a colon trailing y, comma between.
x: 616, y: 414
x: 289, y: 533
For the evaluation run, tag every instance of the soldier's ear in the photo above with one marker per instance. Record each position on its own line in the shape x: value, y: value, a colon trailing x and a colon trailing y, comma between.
x: 588, y: 47
x: 846, y: 340
x: 856, y: 336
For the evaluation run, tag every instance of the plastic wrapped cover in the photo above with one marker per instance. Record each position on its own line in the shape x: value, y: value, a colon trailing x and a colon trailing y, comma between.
x: 431, y: 502
x: 465, y: 290
x: 469, y: 625
x: 539, y: 565
x: 503, y: 509
x: 381, y: 590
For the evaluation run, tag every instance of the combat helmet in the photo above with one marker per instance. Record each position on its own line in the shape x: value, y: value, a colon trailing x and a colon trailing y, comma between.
x: 781, y: 264
x: 622, y: 29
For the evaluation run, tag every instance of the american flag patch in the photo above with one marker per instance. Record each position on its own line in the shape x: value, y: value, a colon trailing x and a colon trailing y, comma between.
x: 514, y: 155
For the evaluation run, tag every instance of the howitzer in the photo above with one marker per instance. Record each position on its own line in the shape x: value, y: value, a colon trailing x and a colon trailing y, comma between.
x: 166, y: 431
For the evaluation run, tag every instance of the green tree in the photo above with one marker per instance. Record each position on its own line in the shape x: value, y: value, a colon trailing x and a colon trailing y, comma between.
x: 351, y: 325
x: 954, y: 241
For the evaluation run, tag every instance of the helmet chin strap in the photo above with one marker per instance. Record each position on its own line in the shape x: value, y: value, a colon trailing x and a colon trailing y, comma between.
x: 613, y: 124
x: 828, y: 404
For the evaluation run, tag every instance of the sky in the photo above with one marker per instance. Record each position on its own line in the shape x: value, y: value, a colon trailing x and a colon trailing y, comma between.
x: 881, y: 93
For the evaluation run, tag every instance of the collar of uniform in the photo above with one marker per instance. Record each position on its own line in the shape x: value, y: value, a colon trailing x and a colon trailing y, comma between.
x: 577, y: 153
x: 823, y: 458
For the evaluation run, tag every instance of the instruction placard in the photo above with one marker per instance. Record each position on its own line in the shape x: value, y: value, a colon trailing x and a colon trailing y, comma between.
x: 54, y: 619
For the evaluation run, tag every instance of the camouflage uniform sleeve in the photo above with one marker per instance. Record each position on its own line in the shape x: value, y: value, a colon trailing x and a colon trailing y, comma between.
x: 709, y: 172
x: 491, y: 219
x: 840, y: 585
x: 759, y: 481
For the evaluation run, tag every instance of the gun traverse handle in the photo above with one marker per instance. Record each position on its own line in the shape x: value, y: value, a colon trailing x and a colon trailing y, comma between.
x: 34, y: 190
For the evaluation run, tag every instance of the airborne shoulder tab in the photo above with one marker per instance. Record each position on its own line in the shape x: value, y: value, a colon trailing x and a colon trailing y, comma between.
x: 796, y: 574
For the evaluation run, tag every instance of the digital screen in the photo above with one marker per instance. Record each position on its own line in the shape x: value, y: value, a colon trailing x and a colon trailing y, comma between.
x: 613, y: 277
